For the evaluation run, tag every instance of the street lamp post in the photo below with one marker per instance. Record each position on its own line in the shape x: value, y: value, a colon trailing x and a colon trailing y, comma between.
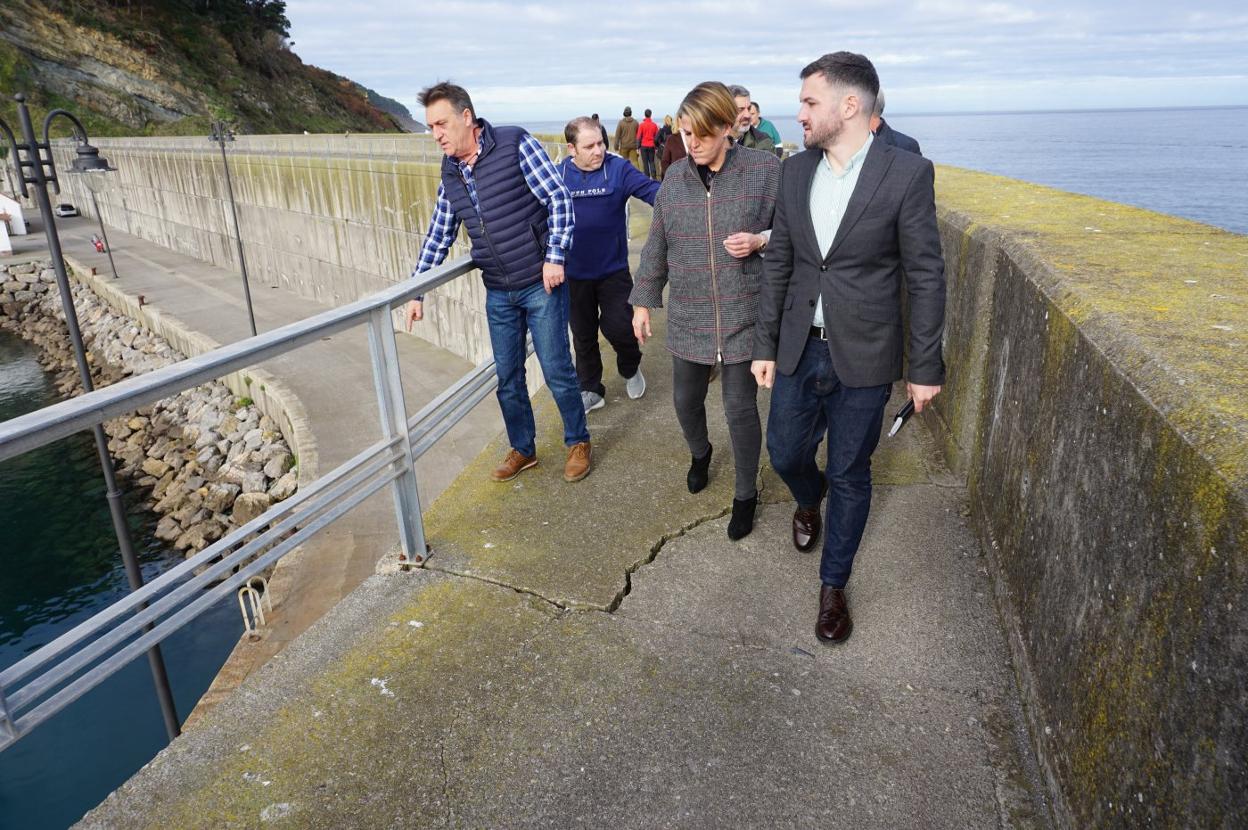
x: 91, y: 185
x: 222, y: 134
x: 38, y: 168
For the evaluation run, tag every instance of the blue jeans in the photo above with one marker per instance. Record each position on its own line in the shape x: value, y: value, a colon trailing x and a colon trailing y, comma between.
x: 510, y: 314
x: 802, y: 406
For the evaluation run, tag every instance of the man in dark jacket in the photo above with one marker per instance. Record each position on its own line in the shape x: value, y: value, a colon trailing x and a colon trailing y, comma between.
x: 501, y: 184
x: 606, y: 141
x: 886, y: 133
x: 747, y: 134
x: 626, y: 137
x: 854, y: 227
x: 597, y: 265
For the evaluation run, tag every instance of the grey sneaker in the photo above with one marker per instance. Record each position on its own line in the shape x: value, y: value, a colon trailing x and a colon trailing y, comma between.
x: 592, y: 401
x: 636, y: 385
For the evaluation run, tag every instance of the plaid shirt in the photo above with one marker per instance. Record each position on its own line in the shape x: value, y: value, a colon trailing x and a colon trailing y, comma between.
x: 544, y: 182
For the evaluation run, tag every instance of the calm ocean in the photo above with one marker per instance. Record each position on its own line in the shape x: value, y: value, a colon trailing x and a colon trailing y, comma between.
x: 60, y: 565
x: 1186, y: 162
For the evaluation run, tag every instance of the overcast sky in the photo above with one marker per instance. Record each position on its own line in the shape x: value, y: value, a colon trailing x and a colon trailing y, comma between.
x: 531, y: 62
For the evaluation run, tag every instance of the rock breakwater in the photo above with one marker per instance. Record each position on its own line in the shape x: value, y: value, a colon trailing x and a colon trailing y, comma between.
x: 210, y: 461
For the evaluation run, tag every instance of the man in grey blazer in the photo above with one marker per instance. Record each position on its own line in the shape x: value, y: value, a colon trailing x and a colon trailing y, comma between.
x: 855, y: 224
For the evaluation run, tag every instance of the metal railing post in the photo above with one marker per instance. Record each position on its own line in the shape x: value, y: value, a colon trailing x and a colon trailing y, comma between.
x: 393, y: 414
x: 8, y: 729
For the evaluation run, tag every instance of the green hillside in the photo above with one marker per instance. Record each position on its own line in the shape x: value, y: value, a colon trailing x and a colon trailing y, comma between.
x: 170, y: 67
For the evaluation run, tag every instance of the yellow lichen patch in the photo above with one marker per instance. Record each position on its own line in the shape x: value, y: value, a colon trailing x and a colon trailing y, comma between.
x: 449, y: 630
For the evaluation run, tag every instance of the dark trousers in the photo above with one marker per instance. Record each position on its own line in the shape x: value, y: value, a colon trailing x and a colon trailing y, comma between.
x: 740, y: 391
x: 647, y: 162
x: 603, y: 304
x: 802, y: 406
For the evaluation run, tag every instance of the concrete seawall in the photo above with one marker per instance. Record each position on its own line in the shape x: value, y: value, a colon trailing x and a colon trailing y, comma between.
x: 1098, y: 405
x: 332, y: 218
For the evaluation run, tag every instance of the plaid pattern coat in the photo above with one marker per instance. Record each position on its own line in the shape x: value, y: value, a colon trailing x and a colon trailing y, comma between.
x: 713, y: 300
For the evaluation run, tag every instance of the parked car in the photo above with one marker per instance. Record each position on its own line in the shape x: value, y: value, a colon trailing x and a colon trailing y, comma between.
x: 65, y: 209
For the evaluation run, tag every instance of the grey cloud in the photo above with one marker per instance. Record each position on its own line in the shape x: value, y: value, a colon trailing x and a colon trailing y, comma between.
x: 662, y: 48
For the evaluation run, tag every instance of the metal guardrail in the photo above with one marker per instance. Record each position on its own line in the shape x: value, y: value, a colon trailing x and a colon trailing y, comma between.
x: 51, y: 678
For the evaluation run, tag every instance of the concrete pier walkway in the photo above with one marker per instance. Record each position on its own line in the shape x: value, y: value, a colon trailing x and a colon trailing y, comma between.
x: 595, y: 653
x: 601, y: 654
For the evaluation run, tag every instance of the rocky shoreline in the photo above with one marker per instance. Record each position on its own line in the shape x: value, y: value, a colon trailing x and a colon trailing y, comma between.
x: 211, y: 462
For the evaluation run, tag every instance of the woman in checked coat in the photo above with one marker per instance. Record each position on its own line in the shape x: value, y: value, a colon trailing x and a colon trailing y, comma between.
x: 704, y: 243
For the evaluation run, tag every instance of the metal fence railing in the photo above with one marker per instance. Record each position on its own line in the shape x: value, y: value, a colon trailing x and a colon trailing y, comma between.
x: 54, y: 676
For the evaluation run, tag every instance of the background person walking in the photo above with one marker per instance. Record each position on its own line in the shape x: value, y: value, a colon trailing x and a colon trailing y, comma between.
x: 647, y: 132
x: 626, y: 137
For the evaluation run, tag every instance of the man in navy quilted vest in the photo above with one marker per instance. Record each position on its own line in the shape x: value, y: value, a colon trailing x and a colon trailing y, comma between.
x: 501, y: 184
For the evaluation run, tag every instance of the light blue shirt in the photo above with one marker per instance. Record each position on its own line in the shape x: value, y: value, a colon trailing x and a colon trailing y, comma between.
x: 829, y: 196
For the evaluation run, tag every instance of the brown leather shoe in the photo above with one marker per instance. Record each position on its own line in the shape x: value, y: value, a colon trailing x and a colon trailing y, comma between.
x: 806, y: 527
x: 513, y: 465
x: 807, y: 522
x: 578, y: 462
x: 834, y: 624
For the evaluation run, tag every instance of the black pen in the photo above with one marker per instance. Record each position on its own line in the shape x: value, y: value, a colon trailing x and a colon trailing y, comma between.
x: 902, y: 416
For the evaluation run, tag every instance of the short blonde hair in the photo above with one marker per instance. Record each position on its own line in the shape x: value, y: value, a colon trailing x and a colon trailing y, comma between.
x: 709, y: 108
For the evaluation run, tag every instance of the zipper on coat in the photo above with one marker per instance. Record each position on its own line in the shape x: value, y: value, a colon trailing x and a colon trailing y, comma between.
x: 710, y: 251
x: 486, y: 233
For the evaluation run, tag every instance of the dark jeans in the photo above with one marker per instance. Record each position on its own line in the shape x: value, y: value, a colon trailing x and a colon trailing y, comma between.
x: 647, y: 162
x: 603, y: 303
x: 510, y: 314
x: 801, y: 405
x: 689, y: 384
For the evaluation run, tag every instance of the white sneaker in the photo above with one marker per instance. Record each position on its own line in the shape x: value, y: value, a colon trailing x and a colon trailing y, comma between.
x: 636, y: 385
x: 592, y: 401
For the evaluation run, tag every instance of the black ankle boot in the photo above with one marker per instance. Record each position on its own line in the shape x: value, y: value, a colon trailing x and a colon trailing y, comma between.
x: 699, y: 472
x: 742, y: 521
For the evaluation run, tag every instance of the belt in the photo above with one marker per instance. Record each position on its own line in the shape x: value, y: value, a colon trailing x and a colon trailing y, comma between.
x: 818, y: 333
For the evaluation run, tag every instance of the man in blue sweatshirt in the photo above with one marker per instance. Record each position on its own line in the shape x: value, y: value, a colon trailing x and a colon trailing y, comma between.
x: 597, y: 264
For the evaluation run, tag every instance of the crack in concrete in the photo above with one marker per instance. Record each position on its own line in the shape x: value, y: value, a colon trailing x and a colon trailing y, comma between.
x: 564, y: 606
x: 561, y: 605
x: 654, y: 552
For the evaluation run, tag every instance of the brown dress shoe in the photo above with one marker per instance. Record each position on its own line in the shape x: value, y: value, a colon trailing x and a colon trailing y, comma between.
x: 806, y: 527
x: 834, y: 624
x: 578, y: 462
x: 513, y: 465
x: 807, y: 522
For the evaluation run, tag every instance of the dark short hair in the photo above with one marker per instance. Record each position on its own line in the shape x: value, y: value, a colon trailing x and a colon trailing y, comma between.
x: 647, y: 113
x: 447, y: 91
x: 755, y: 105
x: 848, y: 69
x: 573, y: 129
x: 594, y: 116
x: 628, y: 111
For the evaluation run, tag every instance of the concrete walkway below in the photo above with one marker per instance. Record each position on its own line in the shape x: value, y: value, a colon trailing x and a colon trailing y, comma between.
x: 600, y: 654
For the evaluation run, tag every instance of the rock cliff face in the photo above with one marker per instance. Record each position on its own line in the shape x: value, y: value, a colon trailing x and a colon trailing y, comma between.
x: 160, y: 68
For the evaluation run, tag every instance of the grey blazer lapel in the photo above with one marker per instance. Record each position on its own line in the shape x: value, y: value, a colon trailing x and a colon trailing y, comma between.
x: 874, y: 168
x: 808, y: 160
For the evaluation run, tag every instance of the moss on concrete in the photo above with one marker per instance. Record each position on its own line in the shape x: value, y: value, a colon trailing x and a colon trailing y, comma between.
x: 1175, y: 290
x: 376, y: 691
